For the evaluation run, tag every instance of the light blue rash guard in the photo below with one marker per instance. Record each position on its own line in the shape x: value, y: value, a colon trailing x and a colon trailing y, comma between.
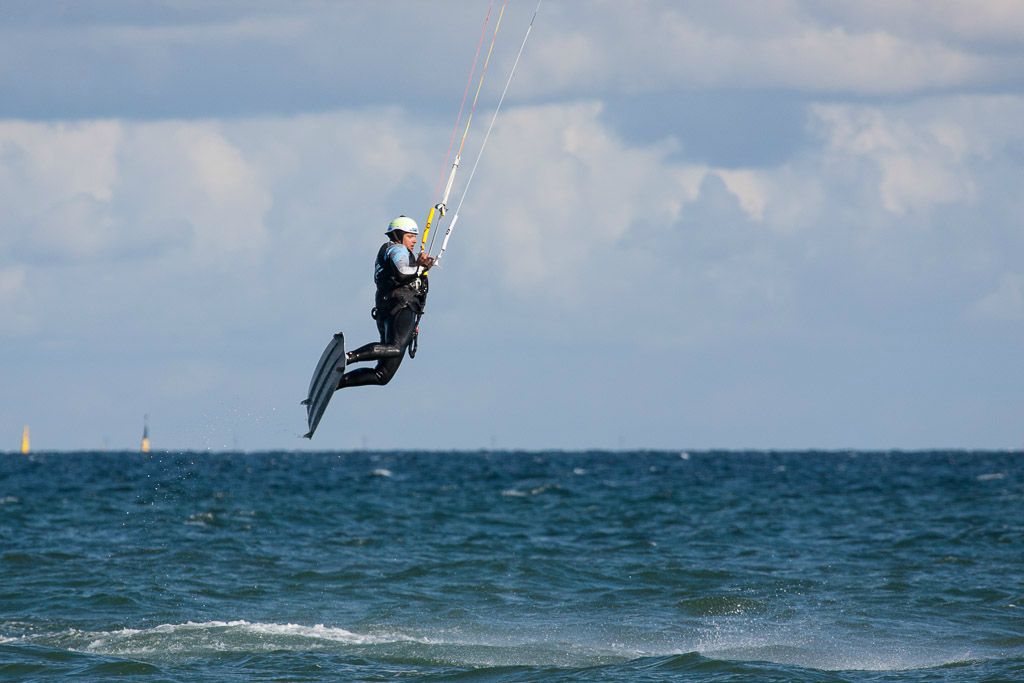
x: 401, y: 258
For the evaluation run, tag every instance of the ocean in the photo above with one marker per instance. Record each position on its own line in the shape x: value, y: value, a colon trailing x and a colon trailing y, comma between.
x: 512, y: 566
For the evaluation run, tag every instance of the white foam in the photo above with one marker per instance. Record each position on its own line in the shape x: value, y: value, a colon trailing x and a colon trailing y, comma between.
x: 318, y: 631
x: 225, y: 636
x: 199, y: 638
x: 201, y: 519
x: 535, y: 491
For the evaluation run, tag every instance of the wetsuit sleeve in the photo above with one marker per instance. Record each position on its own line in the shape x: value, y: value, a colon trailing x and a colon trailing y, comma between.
x: 402, y: 260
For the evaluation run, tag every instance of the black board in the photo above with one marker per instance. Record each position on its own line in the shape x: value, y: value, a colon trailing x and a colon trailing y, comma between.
x: 324, y: 381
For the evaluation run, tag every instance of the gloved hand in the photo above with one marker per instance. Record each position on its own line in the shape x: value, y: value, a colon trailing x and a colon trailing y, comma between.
x: 425, y: 260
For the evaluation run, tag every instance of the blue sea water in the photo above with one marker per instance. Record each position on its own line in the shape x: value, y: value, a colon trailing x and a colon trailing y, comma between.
x: 644, y: 566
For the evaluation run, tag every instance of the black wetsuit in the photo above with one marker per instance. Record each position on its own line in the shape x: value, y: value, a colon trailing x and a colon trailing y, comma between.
x: 401, y: 296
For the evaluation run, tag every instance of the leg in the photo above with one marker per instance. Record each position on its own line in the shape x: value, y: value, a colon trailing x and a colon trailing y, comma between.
x: 397, y: 333
x: 374, y: 350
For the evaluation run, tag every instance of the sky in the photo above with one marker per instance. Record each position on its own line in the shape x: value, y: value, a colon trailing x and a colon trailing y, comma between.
x: 776, y: 225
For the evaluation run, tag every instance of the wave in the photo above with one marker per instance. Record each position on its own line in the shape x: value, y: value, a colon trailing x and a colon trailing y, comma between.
x: 204, y: 637
x: 532, y: 491
x: 176, y: 642
x: 170, y: 642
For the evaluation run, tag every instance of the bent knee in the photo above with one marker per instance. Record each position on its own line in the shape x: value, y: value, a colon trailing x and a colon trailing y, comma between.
x: 387, y: 368
x: 384, y: 376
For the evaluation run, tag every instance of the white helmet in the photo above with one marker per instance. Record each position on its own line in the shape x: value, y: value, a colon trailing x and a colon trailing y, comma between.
x: 403, y: 224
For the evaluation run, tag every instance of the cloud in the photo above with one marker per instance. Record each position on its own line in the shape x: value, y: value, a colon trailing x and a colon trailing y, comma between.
x: 588, y: 192
x: 917, y: 166
x: 924, y: 165
x: 886, y: 195
x: 224, y: 225
x: 55, y: 181
x: 561, y: 201
x: 204, y: 251
x: 202, y: 227
x: 218, y: 59
x: 87, y: 190
x: 980, y: 24
x: 749, y: 189
x: 196, y: 183
x: 663, y: 46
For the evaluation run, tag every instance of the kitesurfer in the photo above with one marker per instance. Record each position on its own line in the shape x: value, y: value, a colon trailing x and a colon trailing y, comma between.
x: 401, y: 296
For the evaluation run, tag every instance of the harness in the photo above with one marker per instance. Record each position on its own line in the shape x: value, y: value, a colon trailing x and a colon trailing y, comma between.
x: 396, y: 292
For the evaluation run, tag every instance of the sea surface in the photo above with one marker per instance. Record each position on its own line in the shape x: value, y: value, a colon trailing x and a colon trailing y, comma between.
x: 505, y: 566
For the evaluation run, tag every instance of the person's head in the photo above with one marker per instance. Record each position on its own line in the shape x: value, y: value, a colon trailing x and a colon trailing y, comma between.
x: 403, y: 230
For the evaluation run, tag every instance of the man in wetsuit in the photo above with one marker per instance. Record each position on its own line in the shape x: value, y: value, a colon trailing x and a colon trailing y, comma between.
x: 401, y: 295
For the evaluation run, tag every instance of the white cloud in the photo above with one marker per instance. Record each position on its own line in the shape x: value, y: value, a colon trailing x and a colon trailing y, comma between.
x: 558, y: 188
x: 89, y: 189
x: 205, y: 226
x: 749, y: 189
x: 559, y: 199
x: 50, y: 156
x: 56, y: 182
x: 984, y: 20
x: 257, y: 235
x: 223, y: 198
x: 915, y: 164
x: 660, y: 46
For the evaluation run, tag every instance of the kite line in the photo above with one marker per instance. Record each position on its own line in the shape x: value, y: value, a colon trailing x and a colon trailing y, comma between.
x: 441, y: 207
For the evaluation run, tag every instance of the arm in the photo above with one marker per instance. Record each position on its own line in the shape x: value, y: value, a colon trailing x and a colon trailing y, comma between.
x: 402, y: 260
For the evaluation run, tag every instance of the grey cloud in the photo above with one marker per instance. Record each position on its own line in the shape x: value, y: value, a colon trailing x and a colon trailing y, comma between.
x: 113, y: 59
x: 779, y: 46
x: 237, y: 59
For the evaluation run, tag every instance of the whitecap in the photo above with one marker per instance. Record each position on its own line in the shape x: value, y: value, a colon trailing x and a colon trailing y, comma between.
x: 201, y: 519
x: 381, y: 472
x: 226, y: 636
x: 992, y: 476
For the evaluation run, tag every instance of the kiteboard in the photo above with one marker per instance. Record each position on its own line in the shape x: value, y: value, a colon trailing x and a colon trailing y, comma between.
x: 324, y: 381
